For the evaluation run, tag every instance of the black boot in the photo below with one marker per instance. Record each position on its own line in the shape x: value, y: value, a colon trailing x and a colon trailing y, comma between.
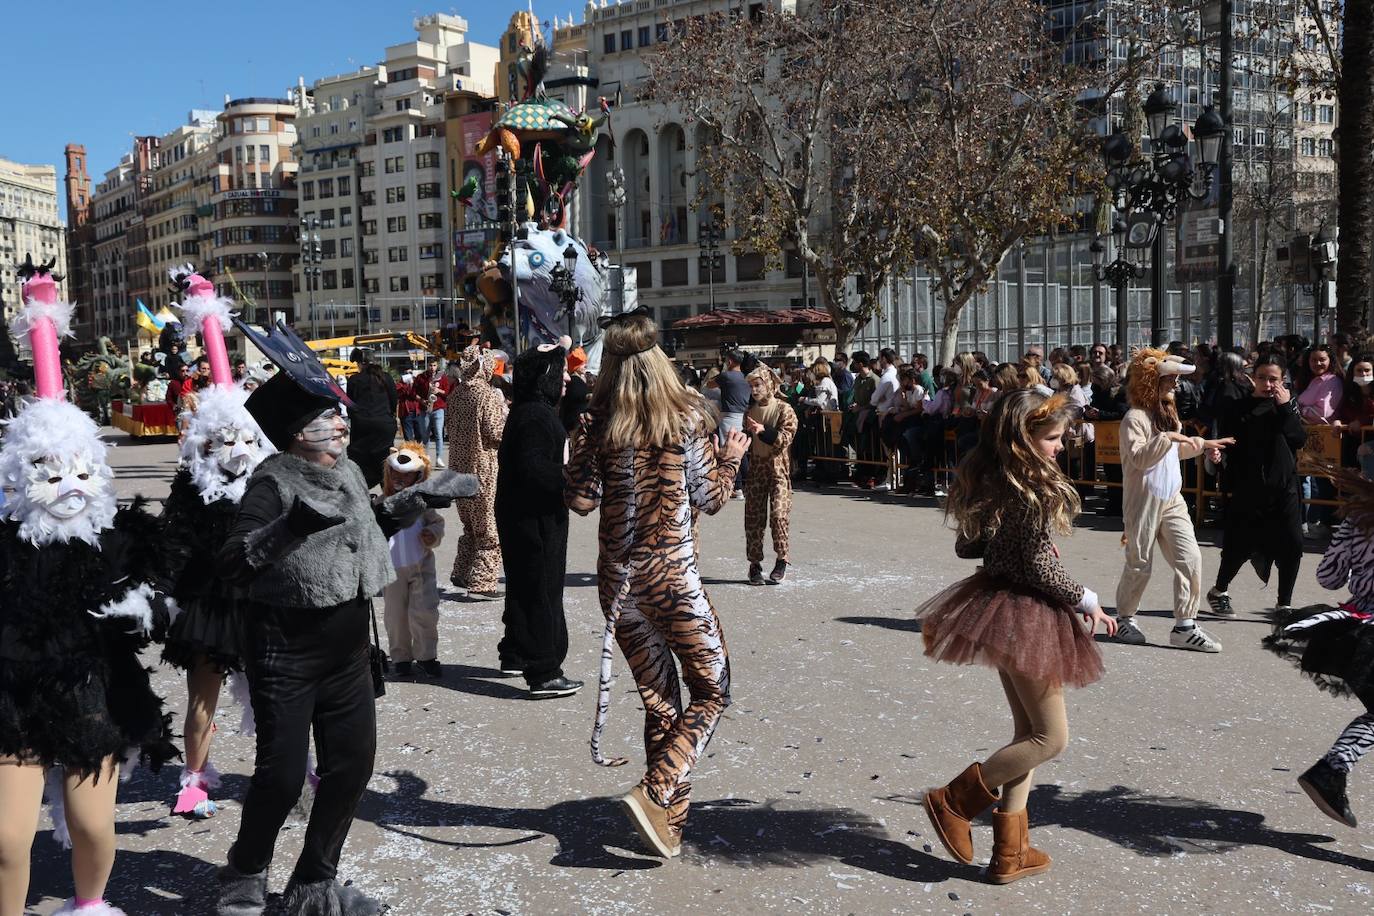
x: 755, y: 573
x: 1325, y: 785
x: 779, y: 572
x: 431, y: 668
x: 240, y: 894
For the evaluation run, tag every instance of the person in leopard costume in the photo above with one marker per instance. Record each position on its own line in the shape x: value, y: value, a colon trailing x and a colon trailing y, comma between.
x: 772, y: 424
x: 475, y: 420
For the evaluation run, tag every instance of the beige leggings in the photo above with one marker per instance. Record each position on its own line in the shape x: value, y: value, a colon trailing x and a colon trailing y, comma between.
x: 1041, y: 734
x: 90, y: 817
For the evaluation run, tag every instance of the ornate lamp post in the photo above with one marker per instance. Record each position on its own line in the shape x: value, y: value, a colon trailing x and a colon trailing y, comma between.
x: 1118, y: 273
x: 1148, y: 193
x: 563, y: 282
x: 710, y: 259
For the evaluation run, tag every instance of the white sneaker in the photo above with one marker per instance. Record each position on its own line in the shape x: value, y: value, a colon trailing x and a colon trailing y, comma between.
x: 882, y: 488
x: 439, y: 463
x: 1194, y: 638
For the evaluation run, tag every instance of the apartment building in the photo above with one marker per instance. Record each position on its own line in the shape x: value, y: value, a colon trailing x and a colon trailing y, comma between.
x: 405, y: 228
x: 29, y: 225
x: 114, y: 204
x: 658, y: 227
x: 331, y: 126
x: 251, y: 203
x: 170, y: 228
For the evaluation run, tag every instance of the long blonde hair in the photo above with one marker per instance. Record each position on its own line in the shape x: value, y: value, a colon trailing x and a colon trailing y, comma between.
x: 1006, y: 471
x: 639, y: 400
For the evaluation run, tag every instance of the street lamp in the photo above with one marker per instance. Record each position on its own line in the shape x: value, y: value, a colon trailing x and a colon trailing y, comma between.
x: 1150, y: 193
x: 266, y: 294
x: 1216, y: 20
x: 312, y: 256
x: 563, y: 282
x: 1119, y: 273
x: 710, y: 259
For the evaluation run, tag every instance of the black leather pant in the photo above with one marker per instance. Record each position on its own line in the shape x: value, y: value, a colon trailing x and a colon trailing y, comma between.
x: 307, y: 669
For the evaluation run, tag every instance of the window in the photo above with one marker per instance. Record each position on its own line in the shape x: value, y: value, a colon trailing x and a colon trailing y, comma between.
x: 1261, y: 137
x: 326, y: 219
x: 326, y: 187
x: 393, y: 135
x: 645, y: 36
x: 395, y: 224
x: 368, y: 198
x: 1326, y: 114
x: 395, y: 164
x: 1309, y: 146
x: 308, y: 190
x: 370, y: 285
x: 429, y: 252
x: 264, y: 153
x: 396, y: 195
x: 400, y: 284
x: 1238, y: 136
x: 431, y: 220
x: 346, y: 248
x: 1324, y: 147
x: 661, y: 31
x: 402, y: 104
x: 345, y: 216
x: 331, y: 279
x: 346, y: 278
x: 400, y: 76
x: 427, y: 191
x: 352, y: 129
x: 426, y: 160
x: 369, y: 227
x: 369, y: 256
x: 430, y: 281
x: 264, y: 126
x: 369, y: 169
x: 395, y: 255
x: 1309, y: 112
x: 315, y: 131
x: 608, y: 43
x: 627, y: 40
x: 328, y: 249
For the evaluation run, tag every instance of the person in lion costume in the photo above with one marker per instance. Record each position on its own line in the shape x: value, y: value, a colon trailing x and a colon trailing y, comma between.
x: 1152, y: 446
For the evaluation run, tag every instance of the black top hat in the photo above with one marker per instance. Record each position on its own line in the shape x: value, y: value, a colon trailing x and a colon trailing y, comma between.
x: 283, y: 408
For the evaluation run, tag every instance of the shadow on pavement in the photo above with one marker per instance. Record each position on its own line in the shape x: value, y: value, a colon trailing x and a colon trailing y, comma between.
x: 906, y: 624
x: 1151, y: 825
x: 144, y: 883
x: 737, y: 832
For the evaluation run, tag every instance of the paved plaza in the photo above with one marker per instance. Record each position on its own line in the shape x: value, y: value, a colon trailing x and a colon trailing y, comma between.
x: 1177, y: 793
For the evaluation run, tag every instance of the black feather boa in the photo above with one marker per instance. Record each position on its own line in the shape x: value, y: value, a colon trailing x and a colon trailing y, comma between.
x: 73, y: 690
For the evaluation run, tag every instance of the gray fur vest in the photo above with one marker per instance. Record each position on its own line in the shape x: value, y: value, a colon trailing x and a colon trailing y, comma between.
x: 338, y: 564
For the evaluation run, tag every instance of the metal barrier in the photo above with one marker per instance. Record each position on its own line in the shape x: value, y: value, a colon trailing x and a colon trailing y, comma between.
x: 831, y: 438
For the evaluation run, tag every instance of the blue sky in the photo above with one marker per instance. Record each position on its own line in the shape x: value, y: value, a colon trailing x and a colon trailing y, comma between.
x: 97, y: 73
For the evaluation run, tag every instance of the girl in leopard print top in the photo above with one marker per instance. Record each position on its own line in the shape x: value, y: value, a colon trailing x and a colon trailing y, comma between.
x: 1018, y: 614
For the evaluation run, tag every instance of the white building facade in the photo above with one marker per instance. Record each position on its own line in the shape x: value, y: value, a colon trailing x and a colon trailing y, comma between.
x: 29, y: 225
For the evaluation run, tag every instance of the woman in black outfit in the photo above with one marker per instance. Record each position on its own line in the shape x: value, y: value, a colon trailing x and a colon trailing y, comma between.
x: 1260, y: 477
x: 372, y: 418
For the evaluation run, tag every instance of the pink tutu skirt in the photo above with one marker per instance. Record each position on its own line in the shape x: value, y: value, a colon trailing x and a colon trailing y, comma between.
x: 983, y: 620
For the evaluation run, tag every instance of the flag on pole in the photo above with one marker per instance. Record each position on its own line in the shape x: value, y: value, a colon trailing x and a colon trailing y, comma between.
x: 147, y: 320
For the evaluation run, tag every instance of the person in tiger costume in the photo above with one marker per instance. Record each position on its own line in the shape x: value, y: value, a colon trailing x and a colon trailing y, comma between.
x: 645, y: 455
x: 1152, y: 445
x: 475, y: 421
x: 772, y: 425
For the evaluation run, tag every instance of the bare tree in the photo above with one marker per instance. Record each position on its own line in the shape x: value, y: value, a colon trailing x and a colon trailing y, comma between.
x: 803, y: 156
x: 1355, y: 169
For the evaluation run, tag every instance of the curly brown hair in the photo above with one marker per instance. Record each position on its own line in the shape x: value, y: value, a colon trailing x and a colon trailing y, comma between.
x: 1005, y: 471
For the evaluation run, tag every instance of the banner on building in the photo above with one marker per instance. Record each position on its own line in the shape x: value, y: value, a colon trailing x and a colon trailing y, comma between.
x: 471, y: 248
x: 472, y: 128
x: 1198, y: 240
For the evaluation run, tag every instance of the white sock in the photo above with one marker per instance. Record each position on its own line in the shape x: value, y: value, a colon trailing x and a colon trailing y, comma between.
x: 1187, y: 624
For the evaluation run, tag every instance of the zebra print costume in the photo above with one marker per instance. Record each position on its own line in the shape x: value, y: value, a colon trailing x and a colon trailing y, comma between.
x: 1353, y: 744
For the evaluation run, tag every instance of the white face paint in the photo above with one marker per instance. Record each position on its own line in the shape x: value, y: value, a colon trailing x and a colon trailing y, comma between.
x: 234, y: 451
x: 325, y: 437
x: 63, y: 488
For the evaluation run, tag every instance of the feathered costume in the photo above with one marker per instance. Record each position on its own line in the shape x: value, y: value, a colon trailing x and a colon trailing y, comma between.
x: 220, y: 447
x: 76, y: 574
x: 219, y: 451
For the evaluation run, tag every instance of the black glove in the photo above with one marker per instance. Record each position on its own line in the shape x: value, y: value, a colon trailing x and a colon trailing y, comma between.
x: 304, y: 519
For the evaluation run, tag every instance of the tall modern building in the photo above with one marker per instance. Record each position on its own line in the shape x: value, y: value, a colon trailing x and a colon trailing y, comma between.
x: 252, y: 202
x: 29, y: 225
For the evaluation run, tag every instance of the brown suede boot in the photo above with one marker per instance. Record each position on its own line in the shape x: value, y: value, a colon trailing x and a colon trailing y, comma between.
x: 1013, y: 857
x: 952, y: 808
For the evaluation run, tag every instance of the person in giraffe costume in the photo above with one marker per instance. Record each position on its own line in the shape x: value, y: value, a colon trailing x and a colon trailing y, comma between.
x: 772, y: 424
x: 476, y: 418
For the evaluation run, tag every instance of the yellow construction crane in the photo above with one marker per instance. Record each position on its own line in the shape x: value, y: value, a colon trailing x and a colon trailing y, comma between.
x: 346, y: 367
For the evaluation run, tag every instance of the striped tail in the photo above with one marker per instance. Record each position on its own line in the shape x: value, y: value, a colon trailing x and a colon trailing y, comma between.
x: 603, y: 696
